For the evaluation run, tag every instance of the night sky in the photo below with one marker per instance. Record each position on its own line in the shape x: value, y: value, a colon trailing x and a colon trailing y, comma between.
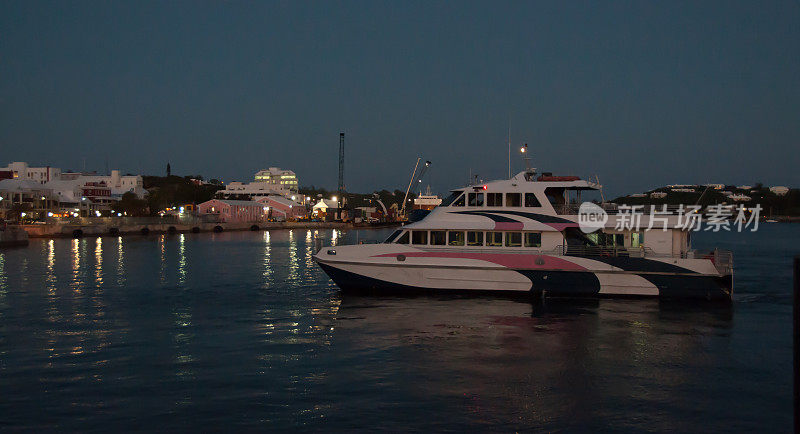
x: 639, y: 93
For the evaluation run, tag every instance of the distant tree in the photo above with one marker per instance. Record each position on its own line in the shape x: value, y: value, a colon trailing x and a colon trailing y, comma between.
x: 131, y: 205
x: 169, y: 170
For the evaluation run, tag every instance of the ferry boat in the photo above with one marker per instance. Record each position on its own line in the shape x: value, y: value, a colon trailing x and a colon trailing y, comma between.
x: 523, y: 235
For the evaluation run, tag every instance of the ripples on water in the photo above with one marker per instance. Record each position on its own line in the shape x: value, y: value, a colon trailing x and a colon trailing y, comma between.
x: 242, y: 330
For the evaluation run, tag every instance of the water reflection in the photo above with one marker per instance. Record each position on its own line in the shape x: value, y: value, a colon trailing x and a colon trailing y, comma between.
x: 267, y: 263
x: 120, y: 262
x: 98, y: 262
x: 50, y: 277
x: 181, y: 259
x: 522, y: 359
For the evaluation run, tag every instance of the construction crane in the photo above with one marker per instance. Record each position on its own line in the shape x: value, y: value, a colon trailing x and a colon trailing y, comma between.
x: 414, y: 177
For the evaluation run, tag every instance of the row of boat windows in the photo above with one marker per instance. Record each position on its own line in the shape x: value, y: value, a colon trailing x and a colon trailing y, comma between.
x: 468, y: 238
x: 492, y: 199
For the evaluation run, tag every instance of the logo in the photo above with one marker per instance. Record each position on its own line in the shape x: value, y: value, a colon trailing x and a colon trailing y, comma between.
x: 591, y: 217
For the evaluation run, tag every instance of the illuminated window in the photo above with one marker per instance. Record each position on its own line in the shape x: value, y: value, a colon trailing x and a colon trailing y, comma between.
x: 494, y: 239
x: 455, y: 238
x: 474, y: 238
x: 513, y: 239
x: 533, y: 239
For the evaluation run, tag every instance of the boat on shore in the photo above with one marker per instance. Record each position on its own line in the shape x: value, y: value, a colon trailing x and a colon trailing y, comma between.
x: 523, y: 235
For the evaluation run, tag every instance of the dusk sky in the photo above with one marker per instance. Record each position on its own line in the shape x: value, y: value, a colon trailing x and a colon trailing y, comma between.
x: 639, y: 93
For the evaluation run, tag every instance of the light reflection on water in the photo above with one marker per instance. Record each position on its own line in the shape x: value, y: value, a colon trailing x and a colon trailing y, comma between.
x: 242, y: 330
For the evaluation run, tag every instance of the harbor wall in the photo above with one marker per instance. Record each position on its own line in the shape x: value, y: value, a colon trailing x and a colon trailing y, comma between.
x: 72, y: 229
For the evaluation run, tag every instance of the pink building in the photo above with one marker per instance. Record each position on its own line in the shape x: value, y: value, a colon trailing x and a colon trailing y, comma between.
x: 282, y: 208
x: 234, y: 211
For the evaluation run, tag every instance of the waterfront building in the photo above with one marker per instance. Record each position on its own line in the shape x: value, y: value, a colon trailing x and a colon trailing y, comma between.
x: 739, y: 198
x: 658, y: 195
x: 234, y: 211
x: 268, y: 182
x: 325, y: 208
x: 281, y: 208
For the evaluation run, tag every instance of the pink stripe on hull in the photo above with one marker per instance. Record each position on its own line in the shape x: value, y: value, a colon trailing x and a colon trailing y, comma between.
x: 508, y: 226
x: 507, y: 260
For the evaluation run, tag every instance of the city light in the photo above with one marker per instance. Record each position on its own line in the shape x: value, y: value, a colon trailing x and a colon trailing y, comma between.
x: 97, y: 213
x: 292, y: 197
x: 119, y: 214
x: 333, y: 198
x: 50, y: 214
x: 23, y: 214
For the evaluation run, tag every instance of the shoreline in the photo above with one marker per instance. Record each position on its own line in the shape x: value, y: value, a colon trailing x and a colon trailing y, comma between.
x: 78, y: 230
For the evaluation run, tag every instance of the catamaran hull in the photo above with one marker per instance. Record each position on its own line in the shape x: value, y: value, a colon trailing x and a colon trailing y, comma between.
x: 395, y: 278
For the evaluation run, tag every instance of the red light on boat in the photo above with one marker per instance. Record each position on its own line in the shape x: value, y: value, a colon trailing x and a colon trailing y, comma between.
x: 484, y: 187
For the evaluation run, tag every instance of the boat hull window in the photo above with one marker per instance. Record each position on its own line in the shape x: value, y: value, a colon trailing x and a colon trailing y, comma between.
x: 513, y: 239
x: 494, y: 199
x: 514, y: 199
x: 475, y: 199
x: 531, y: 201
x: 419, y: 237
x: 438, y: 238
x: 533, y: 239
x: 460, y: 201
x: 474, y: 238
x: 494, y: 239
x: 455, y: 238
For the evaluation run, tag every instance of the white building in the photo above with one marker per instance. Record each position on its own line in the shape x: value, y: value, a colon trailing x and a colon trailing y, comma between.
x: 21, y: 170
x: 739, y: 198
x: 658, y: 194
x: 268, y: 182
x: 279, y: 179
x: 49, y: 188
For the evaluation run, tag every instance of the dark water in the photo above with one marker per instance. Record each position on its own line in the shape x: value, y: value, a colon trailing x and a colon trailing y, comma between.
x: 241, y: 331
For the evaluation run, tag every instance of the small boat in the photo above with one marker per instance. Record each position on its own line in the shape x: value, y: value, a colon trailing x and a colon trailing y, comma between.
x: 523, y: 235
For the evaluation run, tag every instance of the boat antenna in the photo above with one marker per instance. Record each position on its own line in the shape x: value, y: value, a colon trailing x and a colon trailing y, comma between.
x: 509, y: 146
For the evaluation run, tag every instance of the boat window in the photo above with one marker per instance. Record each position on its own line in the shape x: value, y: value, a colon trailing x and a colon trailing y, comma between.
x: 556, y: 196
x: 637, y: 239
x: 533, y: 239
x: 419, y: 237
x: 494, y: 199
x: 513, y: 239
x: 513, y: 199
x: 455, y: 238
x: 531, y: 201
x: 460, y: 201
x: 438, y: 238
x: 474, y: 238
x: 494, y: 239
x: 393, y: 236
x: 476, y: 199
x: 449, y: 199
x: 403, y: 238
